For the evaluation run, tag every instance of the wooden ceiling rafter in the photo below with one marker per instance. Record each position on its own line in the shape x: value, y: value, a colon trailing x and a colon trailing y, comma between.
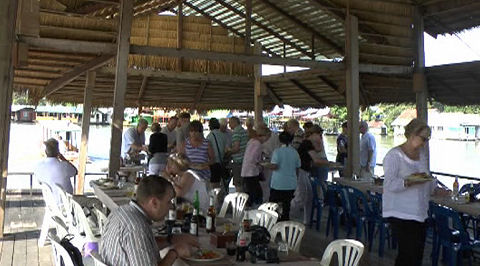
x: 308, y: 92
x: 198, y: 95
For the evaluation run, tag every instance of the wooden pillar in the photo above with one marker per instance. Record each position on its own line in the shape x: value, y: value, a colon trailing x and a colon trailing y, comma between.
x: 8, y: 9
x: 248, y: 25
x: 419, y: 81
x: 284, y: 56
x: 352, y: 93
x: 259, y: 90
x: 123, y: 48
x: 87, y: 110
x: 180, y: 34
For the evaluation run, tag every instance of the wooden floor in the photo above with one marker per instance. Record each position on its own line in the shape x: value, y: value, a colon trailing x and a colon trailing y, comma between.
x: 23, y: 219
x: 24, y: 215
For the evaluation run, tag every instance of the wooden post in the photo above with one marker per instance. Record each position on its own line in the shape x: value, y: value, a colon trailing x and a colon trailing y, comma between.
x: 8, y: 9
x: 123, y: 48
x: 419, y: 80
x: 248, y: 25
x: 352, y: 93
x: 259, y: 90
x: 87, y: 110
x: 180, y: 34
x: 284, y: 56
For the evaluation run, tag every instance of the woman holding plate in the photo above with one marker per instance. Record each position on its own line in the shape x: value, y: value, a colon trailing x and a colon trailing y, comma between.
x: 406, y: 198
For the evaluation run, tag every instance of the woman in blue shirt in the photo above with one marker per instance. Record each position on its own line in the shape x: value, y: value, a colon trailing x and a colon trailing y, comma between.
x: 285, y: 163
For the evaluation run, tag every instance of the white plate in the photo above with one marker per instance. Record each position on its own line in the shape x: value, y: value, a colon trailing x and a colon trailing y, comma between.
x: 220, y: 256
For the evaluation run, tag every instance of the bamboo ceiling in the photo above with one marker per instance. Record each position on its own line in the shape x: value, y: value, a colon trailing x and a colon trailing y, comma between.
x: 292, y: 28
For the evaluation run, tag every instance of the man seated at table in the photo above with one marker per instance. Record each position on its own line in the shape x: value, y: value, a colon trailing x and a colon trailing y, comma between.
x: 128, y: 238
x: 133, y: 141
x: 55, y: 170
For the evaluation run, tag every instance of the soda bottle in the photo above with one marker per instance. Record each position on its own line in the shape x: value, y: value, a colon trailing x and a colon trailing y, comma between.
x: 211, y: 214
x: 194, y: 223
x: 196, y: 202
x: 455, y: 187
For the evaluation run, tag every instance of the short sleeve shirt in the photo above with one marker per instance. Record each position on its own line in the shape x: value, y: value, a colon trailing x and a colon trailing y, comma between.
x: 342, y: 141
x: 131, y: 136
x: 240, y: 135
x: 128, y: 238
x: 285, y: 176
x: 367, y: 143
x: 53, y: 171
x: 218, y: 141
x: 171, y: 135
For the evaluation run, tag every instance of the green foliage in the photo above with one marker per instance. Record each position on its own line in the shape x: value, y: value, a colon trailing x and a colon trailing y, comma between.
x: 468, y: 109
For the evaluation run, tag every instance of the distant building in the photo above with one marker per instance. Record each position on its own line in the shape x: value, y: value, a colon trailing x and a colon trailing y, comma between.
x: 377, y: 127
x: 101, y: 116
x: 22, y: 113
x: 454, y: 126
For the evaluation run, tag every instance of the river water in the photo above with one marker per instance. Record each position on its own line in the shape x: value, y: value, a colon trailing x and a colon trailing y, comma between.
x: 447, y: 156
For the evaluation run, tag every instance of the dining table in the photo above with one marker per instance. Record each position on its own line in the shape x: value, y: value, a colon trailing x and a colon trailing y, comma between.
x: 470, y: 208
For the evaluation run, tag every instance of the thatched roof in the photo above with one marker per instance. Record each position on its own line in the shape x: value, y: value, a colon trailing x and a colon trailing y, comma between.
x: 293, y: 28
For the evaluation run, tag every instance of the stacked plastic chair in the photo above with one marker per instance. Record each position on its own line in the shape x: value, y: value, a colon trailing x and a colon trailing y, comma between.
x: 317, y: 203
x: 334, y: 208
x: 451, y: 236
x: 379, y: 224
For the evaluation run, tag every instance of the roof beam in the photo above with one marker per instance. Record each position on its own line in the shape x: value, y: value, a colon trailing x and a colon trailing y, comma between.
x: 229, y: 57
x: 141, y: 91
x: 332, y: 85
x: 265, y: 28
x: 69, y: 46
x: 275, y: 98
x: 305, y: 26
x: 57, y: 84
x: 308, y: 92
x: 219, y: 22
x: 194, y: 76
x: 450, y: 88
x: 199, y: 94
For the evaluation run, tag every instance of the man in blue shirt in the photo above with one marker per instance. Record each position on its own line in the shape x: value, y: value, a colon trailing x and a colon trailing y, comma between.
x: 133, y: 140
x: 368, y: 152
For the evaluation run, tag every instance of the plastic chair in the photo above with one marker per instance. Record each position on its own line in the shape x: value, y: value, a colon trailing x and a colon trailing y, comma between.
x: 450, y: 235
x: 60, y: 227
x: 51, y: 209
x: 317, y: 204
x: 97, y: 259
x: 291, y: 233
x: 237, y: 200
x: 377, y: 221
x: 351, y: 256
x: 66, y: 206
x: 101, y: 219
x: 335, y: 209
x: 467, y: 219
x: 90, y: 234
x: 269, y: 206
x: 266, y: 219
x: 60, y: 254
x: 358, y: 212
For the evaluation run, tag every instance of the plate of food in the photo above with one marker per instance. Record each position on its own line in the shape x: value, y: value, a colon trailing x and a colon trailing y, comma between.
x: 205, y: 255
x: 420, y: 177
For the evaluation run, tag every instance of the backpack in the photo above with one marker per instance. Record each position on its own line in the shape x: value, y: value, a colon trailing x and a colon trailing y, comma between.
x: 74, y: 253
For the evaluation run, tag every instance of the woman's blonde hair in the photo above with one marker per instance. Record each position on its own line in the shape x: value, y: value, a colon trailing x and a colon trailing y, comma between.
x: 415, y: 127
x: 180, y: 160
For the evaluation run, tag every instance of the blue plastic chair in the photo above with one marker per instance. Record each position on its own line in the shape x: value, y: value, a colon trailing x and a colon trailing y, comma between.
x: 317, y: 204
x: 334, y: 208
x: 358, y: 212
x: 469, y: 221
x: 451, y: 236
x: 378, y: 222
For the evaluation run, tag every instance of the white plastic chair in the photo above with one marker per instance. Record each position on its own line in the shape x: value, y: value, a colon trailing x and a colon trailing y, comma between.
x: 60, y: 254
x: 238, y: 201
x: 101, y: 219
x: 97, y: 258
x: 351, y: 256
x: 51, y: 209
x: 266, y: 219
x: 91, y: 234
x: 60, y: 226
x: 269, y: 206
x: 66, y: 207
x: 291, y: 233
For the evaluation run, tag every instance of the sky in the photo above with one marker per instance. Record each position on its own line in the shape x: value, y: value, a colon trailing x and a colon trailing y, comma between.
x: 445, y: 49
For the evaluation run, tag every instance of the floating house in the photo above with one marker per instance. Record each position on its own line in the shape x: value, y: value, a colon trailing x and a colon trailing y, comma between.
x: 23, y: 113
x: 452, y: 126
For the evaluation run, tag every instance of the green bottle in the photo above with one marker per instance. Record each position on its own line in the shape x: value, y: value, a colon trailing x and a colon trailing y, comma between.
x: 196, y: 202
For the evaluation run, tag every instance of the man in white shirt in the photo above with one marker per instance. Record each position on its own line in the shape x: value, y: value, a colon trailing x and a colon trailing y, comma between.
x: 368, y: 152
x: 170, y: 131
x: 55, y: 170
x: 182, y: 129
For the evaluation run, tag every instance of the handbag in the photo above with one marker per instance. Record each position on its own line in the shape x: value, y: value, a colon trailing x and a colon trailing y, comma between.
x: 217, y: 169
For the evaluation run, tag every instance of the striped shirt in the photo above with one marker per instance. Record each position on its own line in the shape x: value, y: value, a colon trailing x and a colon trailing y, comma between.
x: 128, y: 238
x: 240, y: 135
x: 198, y: 155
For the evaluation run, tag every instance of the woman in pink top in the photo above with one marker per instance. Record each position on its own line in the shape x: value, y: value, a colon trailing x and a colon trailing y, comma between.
x: 251, y: 168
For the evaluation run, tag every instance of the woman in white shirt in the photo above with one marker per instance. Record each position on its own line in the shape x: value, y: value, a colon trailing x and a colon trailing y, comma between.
x: 405, y: 202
